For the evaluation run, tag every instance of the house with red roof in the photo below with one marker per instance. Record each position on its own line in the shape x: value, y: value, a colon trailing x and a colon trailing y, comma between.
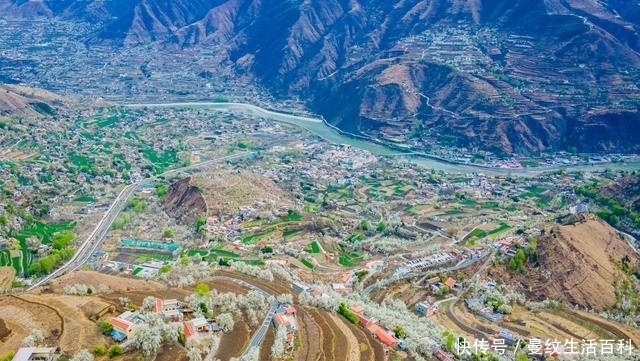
x: 125, y: 324
x: 199, y: 327
x: 170, y: 309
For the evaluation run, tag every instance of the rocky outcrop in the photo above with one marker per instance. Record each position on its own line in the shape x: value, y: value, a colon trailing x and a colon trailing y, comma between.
x: 184, y: 202
x: 521, y: 76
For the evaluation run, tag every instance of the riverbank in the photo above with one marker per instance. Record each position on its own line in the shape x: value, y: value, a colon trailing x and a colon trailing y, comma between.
x: 328, y: 132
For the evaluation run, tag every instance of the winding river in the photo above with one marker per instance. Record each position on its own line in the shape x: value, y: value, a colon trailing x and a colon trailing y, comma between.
x: 329, y: 133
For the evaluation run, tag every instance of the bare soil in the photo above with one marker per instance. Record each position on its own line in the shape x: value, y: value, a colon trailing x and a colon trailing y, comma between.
x: 310, y: 335
x: 577, y: 265
x: 6, y: 277
x: 267, y: 343
x: 233, y: 343
x: 115, y: 283
x: 21, y: 315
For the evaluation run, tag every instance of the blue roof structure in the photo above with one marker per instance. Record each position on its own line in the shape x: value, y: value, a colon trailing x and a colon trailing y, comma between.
x: 117, y: 335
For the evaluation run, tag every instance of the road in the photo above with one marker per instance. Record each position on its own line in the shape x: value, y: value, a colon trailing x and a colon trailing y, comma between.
x: 258, y: 336
x: 95, y: 239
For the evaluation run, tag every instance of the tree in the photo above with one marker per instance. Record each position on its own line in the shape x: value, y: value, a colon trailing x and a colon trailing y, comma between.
x: 347, y: 313
x: 400, y: 331
x: 225, y: 321
x: 200, y: 222
x: 277, y: 349
x: 115, y: 350
x: 99, y: 350
x: 82, y: 355
x: 62, y: 240
x: 449, y: 340
x: 105, y: 327
x: 34, y: 338
x: 168, y: 233
x: 193, y: 354
x: 202, y: 289
x: 147, y: 304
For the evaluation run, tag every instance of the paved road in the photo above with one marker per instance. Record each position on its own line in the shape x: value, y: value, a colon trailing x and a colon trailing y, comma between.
x: 258, y: 336
x: 95, y: 239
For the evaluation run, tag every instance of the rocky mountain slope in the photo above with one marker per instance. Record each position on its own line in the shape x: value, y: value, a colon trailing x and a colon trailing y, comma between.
x: 578, y: 263
x: 184, y: 202
x: 518, y: 76
x: 23, y: 101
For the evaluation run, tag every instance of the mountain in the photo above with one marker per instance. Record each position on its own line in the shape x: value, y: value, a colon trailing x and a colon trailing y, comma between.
x: 582, y: 263
x: 23, y: 101
x: 522, y: 76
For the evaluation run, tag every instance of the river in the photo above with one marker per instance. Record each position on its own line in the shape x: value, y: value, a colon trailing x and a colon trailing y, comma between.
x: 319, y: 128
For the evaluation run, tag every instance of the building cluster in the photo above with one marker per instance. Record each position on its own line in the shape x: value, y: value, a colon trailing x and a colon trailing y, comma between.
x: 173, y: 311
x: 383, y: 334
x: 285, y: 318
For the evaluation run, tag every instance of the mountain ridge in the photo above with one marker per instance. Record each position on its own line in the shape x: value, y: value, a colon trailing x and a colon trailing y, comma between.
x: 518, y: 77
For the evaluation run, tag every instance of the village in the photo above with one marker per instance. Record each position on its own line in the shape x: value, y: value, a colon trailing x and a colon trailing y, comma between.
x: 343, y: 222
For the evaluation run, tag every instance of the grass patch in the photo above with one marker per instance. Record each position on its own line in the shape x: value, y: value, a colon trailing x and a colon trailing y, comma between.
x: 453, y: 211
x: 253, y: 262
x: 350, y: 259
x: 292, y: 216
x: 43, y: 231
x: 145, y: 257
x: 255, y: 236
x: 224, y: 253
x: 136, y: 271
x: 290, y: 232
x: 107, y: 121
x: 85, y: 199
x: 307, y: 263
x: 468, y: 202
x: 411, y: 209
x: 354, y: 238
x: 161, y: 160
x: 313, y: 247
x: 528, y: 163
x: 477, y: 233
x: 200, y: 252
x: 533, y: 191
x: 43, y: 108
x: 501, y: 228
x: 490, y: 205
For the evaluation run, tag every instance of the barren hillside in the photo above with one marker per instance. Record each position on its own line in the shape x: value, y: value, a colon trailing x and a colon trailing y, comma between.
x: 19, y: 100
x: 579, y: 264
x: 184, y: 202
x: 227, y: 192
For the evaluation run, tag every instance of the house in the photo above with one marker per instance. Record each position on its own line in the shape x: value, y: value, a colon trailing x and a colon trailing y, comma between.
x: 170, y: 309
x: 425, y: 308
x: 198, y: 327
x: 385, y: 336
x: 443, y: 356
x: 285, y: 316
x: 341, y: 288
x: 509, y: 337
x: 35, y: 354
x: 125, y: 324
